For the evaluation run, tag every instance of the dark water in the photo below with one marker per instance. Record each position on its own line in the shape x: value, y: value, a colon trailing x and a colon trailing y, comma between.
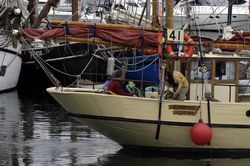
x: 36, y: 131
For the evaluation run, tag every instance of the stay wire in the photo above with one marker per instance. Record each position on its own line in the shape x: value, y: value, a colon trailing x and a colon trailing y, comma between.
x: 45, y: 69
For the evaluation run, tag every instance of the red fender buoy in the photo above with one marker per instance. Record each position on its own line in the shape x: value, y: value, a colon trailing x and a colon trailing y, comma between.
x: 201, y: 134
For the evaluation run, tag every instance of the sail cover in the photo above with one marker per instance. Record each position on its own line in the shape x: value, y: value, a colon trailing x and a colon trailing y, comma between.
x: 127, y: 37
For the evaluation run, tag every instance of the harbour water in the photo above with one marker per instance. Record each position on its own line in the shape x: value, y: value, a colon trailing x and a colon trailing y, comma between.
x: 36, y: 131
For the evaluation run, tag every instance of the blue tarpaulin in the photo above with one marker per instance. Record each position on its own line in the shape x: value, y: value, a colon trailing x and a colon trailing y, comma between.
x: 143, y: 68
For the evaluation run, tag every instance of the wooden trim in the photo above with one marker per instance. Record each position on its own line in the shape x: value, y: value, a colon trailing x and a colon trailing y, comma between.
x: 237, y: 71
x: 189, y: 67
x: 213, y: 69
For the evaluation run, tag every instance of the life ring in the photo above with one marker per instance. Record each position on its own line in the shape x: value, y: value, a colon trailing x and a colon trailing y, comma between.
x: 188, y: 49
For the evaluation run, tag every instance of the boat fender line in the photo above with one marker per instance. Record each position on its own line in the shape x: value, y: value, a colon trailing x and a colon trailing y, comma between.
x: 209, y: 98
x: 188, y: 49
x: 157, y: 133
x: 208, y: 112
x: 208, y: 115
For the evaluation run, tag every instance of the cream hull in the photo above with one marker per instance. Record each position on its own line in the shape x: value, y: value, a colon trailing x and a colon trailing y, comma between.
x: 133, y: 121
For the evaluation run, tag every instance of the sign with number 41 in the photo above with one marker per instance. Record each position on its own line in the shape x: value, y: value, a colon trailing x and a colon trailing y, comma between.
x: 175, y: 35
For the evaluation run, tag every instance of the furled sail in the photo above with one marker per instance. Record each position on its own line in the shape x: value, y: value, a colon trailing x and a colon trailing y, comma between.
x: 132, y: 36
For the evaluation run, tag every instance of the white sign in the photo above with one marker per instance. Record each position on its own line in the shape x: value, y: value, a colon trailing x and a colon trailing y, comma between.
x: 175, y: 35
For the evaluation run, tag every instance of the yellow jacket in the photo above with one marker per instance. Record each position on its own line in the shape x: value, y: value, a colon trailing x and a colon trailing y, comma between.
x: 179, y: 78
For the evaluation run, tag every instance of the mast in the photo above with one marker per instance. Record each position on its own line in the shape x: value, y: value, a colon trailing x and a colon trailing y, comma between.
x: 142, y: 14
x: 230, y: 9
x: 75, y: 16
x: 31, y: 8
x: 155, y: 22
x: 169, y: 23
x: 169, y: 14
x: 148, y: 9
x: 44, y: 12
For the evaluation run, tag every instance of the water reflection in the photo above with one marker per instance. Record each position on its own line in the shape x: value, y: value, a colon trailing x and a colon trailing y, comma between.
x: 35, y: 130
x: 125, y: 158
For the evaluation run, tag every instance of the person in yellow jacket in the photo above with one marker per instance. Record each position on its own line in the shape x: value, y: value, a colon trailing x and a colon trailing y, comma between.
x: 179, y: 83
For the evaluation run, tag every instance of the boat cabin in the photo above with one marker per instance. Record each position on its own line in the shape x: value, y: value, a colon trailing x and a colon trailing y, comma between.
x: 227, y: 77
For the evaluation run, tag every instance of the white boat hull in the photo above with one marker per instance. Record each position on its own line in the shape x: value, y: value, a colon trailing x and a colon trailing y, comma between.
x: 132, y: 121
x: 206, y: 19
x: 212, y: 25
x: 10, y: 59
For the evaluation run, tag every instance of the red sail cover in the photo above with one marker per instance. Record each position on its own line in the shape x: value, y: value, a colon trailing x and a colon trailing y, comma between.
x: 127, y: 37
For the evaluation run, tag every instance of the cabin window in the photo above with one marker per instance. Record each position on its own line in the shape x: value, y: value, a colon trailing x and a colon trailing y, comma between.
x: 225, y: 70
x: 244, y: 70
x: 244, y: 77
x: 196, y: 73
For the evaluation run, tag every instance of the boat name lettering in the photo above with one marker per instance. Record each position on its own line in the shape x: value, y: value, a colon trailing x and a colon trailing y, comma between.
x: 184, y: 109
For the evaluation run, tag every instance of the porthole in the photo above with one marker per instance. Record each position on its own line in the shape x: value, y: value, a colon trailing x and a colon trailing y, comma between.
x: 248, y: 113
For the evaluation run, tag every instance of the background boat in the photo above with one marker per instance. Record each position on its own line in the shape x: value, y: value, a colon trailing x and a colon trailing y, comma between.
x: 66, y: 59
x: 11, y: 17
x: 10, y: 68
x: 211, y: 15
x: 67, y: 62
x: 208, y: 15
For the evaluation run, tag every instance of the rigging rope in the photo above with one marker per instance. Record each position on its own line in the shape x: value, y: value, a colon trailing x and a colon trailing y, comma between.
x: 131, y: 71
x: 46, y: 63
x: 40, y: 62
x: 136, y: 63
x: 43, y: 65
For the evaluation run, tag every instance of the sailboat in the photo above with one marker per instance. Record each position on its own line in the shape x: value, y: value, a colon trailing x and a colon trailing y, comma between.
x: 213, y: 118
x: 208, y: 15
x: 141, y: 122
x: 10, y: 48
x: 212, y: 15
x: 10, y: 65
x: 65, y: 59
